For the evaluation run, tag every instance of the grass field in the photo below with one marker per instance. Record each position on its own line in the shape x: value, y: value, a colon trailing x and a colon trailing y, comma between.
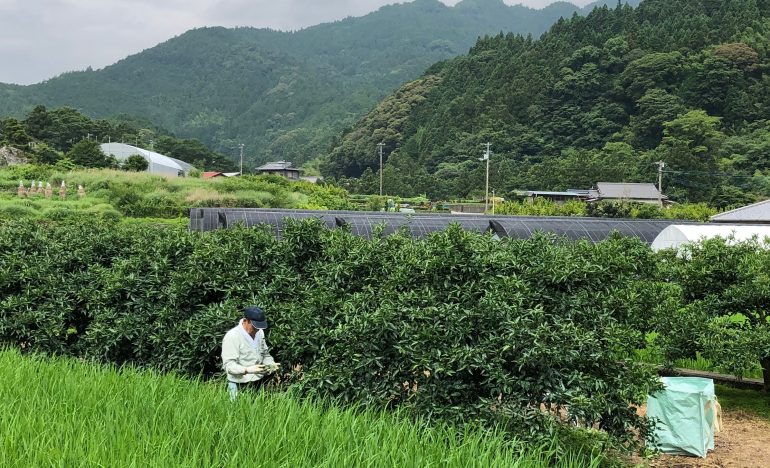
x: 58, y: 412
x: 744, y: 400
x: 117, y: 194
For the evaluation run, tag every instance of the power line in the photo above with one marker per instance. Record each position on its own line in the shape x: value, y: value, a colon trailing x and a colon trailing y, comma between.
x: 710, y: 174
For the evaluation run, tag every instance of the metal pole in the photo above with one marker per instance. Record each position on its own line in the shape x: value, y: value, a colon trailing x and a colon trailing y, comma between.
x: 241, y: 173
x: 486, y: 198
x: 661, y: 165
x: 381, y: 145
x: 493, y: 201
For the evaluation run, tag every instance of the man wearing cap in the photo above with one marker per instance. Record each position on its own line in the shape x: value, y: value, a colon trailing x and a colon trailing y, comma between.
x: 245, y: 356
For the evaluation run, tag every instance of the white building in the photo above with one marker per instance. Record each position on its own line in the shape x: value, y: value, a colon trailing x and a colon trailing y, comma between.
x: 156, y: 162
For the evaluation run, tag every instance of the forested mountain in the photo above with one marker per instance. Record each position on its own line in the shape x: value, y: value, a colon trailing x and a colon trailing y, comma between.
x: 282, y: 94
x: 598, y: 98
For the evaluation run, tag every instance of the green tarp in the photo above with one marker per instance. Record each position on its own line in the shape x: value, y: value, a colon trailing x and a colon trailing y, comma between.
x: 686, y: 412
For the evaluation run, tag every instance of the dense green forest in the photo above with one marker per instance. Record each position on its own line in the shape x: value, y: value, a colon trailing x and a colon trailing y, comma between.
x: 283, y: 94
x: 597, y: 98
x: 64, y: 135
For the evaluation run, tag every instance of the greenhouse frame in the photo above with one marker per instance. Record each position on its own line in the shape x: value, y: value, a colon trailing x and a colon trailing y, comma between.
x: 368, y: 224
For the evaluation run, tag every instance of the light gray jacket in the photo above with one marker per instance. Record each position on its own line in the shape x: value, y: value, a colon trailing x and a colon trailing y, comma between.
x: 240, y: 351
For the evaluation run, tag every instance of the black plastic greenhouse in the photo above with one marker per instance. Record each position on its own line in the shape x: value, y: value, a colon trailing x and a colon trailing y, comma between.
x: 366, y: 224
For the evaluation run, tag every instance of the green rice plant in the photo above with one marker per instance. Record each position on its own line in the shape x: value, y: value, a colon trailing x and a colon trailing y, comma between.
x: 59, y: 412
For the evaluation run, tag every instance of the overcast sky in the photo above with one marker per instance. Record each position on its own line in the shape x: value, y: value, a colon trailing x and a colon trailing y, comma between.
x: 40, y: 39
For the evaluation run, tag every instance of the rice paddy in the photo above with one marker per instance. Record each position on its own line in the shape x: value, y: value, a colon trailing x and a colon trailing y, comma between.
x: 60, y: 412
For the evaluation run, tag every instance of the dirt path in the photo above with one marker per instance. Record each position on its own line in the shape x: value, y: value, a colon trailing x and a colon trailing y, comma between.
x: 744, y: 442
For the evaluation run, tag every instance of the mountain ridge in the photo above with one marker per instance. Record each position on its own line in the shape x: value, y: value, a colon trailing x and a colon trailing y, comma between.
x: 284, y: 94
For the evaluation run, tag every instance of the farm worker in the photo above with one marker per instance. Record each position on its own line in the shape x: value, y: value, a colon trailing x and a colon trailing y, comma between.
x: 245, y: 356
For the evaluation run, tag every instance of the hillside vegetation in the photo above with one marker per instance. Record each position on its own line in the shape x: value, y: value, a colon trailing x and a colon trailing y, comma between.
x: 597, y: 98
x: 283, y: 94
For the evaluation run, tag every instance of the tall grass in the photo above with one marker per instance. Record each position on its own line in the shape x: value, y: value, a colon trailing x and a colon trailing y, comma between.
x: 58, y: 412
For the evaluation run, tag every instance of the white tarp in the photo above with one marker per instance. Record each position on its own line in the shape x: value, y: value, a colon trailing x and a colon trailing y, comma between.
x: 675, y: 235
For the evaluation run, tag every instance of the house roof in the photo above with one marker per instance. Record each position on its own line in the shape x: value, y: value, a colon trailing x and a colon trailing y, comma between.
x: 756, y: 213
x: 547, y: 193
x: 636, y: 191
x: 209, y: 175
x: 277, y: 166
x: 583, y: 192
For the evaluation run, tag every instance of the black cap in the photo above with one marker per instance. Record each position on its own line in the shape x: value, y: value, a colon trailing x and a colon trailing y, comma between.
x: 255, y: 315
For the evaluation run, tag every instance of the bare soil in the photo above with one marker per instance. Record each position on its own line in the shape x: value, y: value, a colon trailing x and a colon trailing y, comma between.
x: 744, y: 442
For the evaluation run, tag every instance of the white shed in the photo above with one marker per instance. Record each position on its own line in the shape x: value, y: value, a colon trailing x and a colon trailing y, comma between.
x: 156, y: 162
x: 677, y: 235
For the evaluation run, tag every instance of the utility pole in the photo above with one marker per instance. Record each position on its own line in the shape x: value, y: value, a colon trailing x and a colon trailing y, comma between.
x: 493, y: 201
x: 661, y: 165
x: 241, y: 147
x: 380, y: 145
x: 487, y: 154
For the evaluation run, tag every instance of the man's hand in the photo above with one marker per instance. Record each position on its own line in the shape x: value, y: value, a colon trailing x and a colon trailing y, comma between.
x: 273, y: 367
x: 257, y: 369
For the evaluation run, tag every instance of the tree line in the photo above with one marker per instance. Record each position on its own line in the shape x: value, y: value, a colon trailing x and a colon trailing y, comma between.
x: 66, y: 137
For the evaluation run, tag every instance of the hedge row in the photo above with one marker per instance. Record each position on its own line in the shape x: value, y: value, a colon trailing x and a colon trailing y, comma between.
x: 458, y: 327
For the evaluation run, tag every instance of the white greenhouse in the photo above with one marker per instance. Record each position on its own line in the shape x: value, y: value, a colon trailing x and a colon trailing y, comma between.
x: 156, y: 162
x: 677, y: 235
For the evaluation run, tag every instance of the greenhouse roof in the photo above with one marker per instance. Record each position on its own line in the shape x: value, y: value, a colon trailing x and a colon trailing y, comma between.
x: 756, y: 213
x: 156, y: 162
x: 675, y: 236
x: 366, y: 224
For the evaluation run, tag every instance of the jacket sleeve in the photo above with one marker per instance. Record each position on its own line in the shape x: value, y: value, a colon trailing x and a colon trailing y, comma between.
x: 230, y: 356
x: 267, y: 359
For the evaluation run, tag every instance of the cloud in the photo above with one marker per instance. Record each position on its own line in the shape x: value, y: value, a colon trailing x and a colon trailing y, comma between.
x: 40, y: 39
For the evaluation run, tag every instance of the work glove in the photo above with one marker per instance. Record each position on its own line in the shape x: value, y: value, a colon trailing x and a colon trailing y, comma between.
x: 256, y: 369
